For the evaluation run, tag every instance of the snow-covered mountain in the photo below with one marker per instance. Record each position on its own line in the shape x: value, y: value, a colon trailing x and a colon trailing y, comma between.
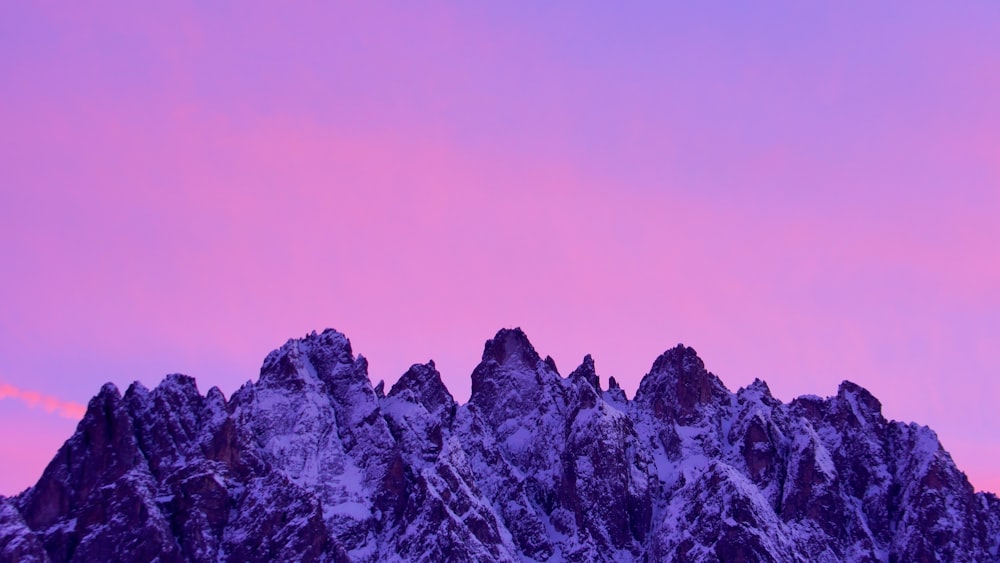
x: 311, y: 463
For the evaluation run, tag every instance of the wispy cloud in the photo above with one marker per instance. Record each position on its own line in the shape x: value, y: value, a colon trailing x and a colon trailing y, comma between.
x: 48, y: 403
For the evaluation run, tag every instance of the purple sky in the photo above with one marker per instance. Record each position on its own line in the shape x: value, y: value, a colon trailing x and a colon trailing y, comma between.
x: 804, y: 194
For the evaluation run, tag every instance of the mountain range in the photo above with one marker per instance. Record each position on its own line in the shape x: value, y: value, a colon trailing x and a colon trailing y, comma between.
x: 311, y: 462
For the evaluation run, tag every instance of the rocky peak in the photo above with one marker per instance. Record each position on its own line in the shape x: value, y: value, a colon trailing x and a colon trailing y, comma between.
x: 512, y: 379
x: 615, y: 393
x: 180, y: 384
x: 308, y: 360
x: 216, y: 396
x: 758, y: 391
x: 418, y: 409
x: 422, y: 384
x: 761, y: 387
x: 680, y: 359
x: 866, y: 405
x: 678, y: 386
x: 136, y: 392
x: 587, y: 373
x: 177, y: 393
x: 101, y: 451
x: 175, y: 403
x: 321, y: 368
x: 510, y: 347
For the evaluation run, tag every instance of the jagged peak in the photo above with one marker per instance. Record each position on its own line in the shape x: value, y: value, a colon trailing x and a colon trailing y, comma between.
x: 810, y: 398
x: 330, y: 337
x: 108, y: 396
x: 510, y: 345
x: 415, y: 378
x: 180, y: 382
x: 361, y: 362
x: 859, y: 396
x: 330, y: 343
x: 761, y: 386
x: 109, y: 389
x: 215, y: 395
x: 106, y: 401
x: 679, y: 362
x: 758, y: 389
x: 587, y: 372
x: 309, y: 360
x: 423, y: 383
x: 678, y: 359
x: 136, y: 389
x: 513, y: 378
x: 678, y: 385
x: 615, y: 393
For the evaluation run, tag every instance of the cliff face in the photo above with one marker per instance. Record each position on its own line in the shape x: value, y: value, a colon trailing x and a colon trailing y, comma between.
x: 310, y: 462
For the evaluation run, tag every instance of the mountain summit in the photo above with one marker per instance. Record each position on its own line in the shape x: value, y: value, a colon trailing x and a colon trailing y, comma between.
x: 313, y: 463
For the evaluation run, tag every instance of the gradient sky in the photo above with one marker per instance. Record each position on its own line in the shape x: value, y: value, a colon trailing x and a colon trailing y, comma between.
x: 803, y: 193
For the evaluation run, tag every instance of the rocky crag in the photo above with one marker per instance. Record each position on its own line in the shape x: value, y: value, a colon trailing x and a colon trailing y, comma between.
x: 312, y: 463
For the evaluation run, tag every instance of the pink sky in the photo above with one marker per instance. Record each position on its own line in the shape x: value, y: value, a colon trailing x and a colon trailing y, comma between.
x: 802, y: 194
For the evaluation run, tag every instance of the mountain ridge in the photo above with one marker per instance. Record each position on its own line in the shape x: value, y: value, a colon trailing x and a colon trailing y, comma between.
x: 311, y: 462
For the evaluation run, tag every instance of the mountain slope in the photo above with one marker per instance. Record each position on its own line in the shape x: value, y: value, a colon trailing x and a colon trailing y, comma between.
x: 312, y: 463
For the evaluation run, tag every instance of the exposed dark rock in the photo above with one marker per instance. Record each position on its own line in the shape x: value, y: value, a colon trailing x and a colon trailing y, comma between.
x: 587, y: 372
x: 678, y: 387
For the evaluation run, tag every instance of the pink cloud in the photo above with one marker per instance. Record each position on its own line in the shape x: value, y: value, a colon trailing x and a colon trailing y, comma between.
x: 47, y: 403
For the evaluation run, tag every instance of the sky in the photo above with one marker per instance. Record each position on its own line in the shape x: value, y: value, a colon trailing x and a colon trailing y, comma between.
x: 804, y: 193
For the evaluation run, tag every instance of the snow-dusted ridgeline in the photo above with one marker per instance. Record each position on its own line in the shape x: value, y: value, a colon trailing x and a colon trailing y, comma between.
x: 311, y: 463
